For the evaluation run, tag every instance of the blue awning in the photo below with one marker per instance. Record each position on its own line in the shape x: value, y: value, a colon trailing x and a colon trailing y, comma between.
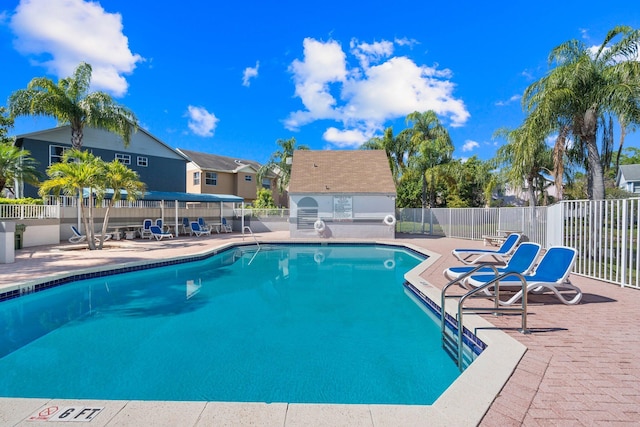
x: 180, y: 197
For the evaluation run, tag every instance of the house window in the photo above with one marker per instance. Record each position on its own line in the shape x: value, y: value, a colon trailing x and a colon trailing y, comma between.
x: 266, y: 183
x: 248, y: 178
x: 125, y: 159
x: 143, y: 161
x: 196, y: 178
x: 55, y: 153
x: 211, y: 178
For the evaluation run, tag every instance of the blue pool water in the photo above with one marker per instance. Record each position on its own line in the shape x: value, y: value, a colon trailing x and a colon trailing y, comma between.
x: 293, y: 323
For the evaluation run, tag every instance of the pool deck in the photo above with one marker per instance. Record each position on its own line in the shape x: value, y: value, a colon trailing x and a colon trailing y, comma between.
x: 581, y: 366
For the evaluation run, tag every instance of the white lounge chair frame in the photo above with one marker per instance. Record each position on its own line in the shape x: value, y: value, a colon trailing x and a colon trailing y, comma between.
x: 198, y: 230
x: 158, y: 233
x: 502, y: 254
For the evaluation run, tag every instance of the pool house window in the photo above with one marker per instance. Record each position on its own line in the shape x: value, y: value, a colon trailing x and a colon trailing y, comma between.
x: 211, y: 178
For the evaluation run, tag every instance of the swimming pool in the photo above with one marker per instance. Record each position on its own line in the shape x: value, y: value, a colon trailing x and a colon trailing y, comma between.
x: 294, y: 323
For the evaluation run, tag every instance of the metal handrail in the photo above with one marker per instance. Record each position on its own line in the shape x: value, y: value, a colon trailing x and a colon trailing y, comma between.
x: 246, y: 227
x: 473, y: 293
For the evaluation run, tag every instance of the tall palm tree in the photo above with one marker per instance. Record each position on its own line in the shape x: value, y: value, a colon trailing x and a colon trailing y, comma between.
x: 432, y: 145
x: 70, y: 102
x: 280, y: 162
x: 525, y: 157
x: 583, y: 87
x: 119, y: 178
x: 398, y: 149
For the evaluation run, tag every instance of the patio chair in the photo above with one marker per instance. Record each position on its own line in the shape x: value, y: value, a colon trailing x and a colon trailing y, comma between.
x: 185, y: 227
x: 203, y: 225
x: 145, y: 231
x: 78, y: 237
x: 199, y: 231
x: 502, y: 254
x: 551, y: 274
x: 225, y: 226
x: 159, y: 223
x: 158, y: 233
x: 522, y: 261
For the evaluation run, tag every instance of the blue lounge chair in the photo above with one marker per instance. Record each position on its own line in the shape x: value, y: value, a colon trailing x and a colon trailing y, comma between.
x: 225, y: 226
x: 78, y: 237
x: 185, y: 226
x: 551, y: 274
x: 145, y: 231
x: 522, y: 261
x: 158, y: 233
x: 203, y: 225
x: 199, y: 231
x: 502, y: 254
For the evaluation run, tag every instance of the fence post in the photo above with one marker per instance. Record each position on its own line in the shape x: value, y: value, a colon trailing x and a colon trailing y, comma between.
x: 623, y: 243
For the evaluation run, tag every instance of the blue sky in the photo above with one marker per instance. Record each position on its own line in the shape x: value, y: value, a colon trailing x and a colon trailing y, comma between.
x: 231, y: 78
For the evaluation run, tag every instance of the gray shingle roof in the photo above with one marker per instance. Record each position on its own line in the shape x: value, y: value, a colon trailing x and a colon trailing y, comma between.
x: 213, y: 162
x: 355, y: 171
x: 630, y: 172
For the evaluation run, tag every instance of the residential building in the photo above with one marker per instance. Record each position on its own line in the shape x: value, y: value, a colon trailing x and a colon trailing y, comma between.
x: 628, y: 178
x: 341, y: 194
x: 213, y: 174
x: 159, y: 166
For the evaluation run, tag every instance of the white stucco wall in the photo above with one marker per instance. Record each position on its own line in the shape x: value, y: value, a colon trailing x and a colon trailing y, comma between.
x: 366, y: 218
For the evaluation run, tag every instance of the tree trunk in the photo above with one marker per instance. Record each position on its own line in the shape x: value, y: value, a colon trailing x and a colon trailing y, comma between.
x: 589, y: 131
x: 76, y: 138
x: 531, y: 192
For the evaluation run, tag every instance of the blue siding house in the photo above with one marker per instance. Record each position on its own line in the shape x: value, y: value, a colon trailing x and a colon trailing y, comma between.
x: 159, y: 166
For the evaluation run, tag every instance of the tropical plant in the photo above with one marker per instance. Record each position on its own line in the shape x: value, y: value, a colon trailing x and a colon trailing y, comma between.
x: 398, y: 149
x: 120, y: 181
x: 264, y: 199
x: 432, y: 146
x: 582, y: 89
x: 70, y: 102
x: 280, y: 163
x: 80, y: 170
x: 525, y: 159
x: 15, y: 164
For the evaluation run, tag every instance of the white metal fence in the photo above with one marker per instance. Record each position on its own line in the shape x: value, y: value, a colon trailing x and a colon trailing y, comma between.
x: 29, y: 211
x: 605, y: 233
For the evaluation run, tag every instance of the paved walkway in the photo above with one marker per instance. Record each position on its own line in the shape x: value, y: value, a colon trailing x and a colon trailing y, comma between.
x: 581, y: 367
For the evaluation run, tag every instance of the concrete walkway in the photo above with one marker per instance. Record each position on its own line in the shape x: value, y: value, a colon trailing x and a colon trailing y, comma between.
x: 581, y: 367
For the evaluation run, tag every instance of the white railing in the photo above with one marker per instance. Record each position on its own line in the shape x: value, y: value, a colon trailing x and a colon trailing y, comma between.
x: 473, y: 223
x: 29, y: 211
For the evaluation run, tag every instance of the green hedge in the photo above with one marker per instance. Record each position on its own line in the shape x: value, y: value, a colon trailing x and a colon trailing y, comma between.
x: 25, y: 201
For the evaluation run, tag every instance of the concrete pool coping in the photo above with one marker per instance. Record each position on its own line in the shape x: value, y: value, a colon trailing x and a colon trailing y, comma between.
x: 464, y: 403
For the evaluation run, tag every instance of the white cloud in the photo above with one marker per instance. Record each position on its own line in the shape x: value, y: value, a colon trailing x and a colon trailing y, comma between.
x: 249, y: 73
x: 406, y: 42
x: 201, y: 122
x: 511, y: 100
x: 348, y: 138
x: 362, y: 98
x: 366, y: 52
x: 59, y: 34
x: 469, y: 145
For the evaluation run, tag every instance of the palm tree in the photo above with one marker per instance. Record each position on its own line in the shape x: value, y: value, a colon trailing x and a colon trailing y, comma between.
x: 119, y: 178
x: 70, y: 102
x: 525, y: 157
x: 77, y: 170
x: 15, y: 164
x: 398, y: 149
x: 583, y: 87
x: 432, y: 145
x: 280, y: 162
